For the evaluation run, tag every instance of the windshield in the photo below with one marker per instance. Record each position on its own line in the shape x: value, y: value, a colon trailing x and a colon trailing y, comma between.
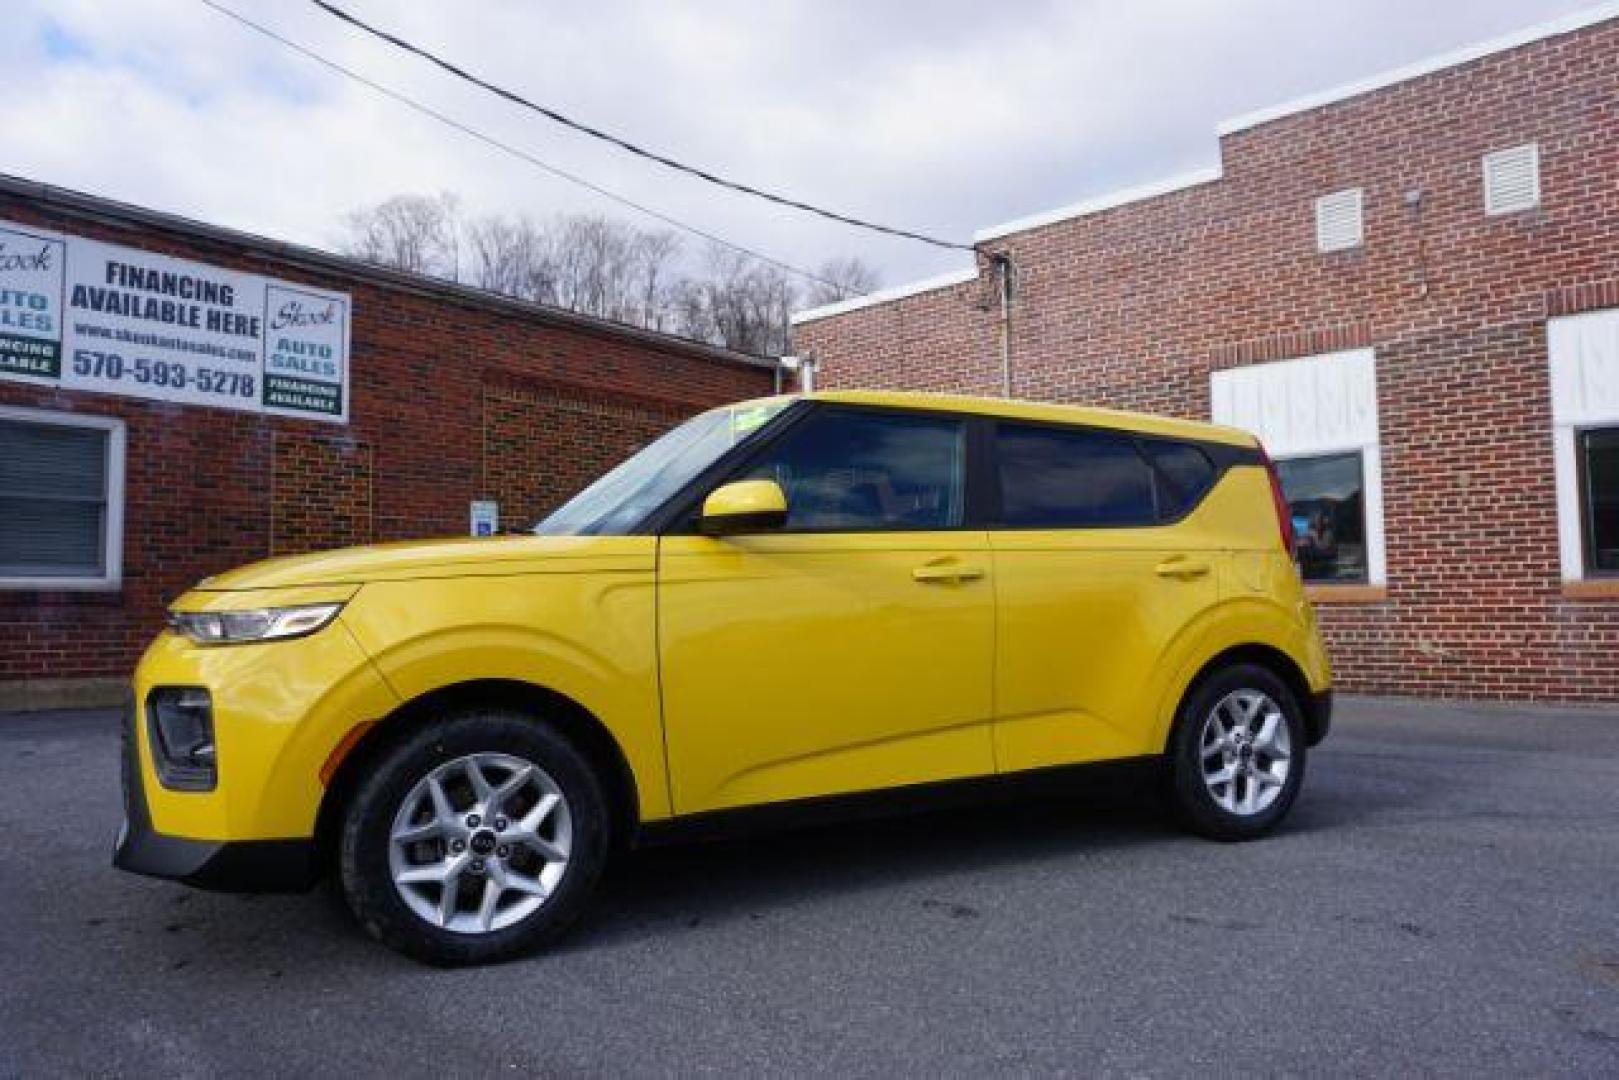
x: 616, y: 503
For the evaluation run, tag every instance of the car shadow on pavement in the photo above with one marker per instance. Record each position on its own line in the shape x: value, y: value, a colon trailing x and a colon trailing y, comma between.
x: 725, y: 879
x: 720, y: 880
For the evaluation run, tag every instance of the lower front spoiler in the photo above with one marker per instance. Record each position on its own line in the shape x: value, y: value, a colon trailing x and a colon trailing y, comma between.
x: 236, y: 866
x: 233, y: 866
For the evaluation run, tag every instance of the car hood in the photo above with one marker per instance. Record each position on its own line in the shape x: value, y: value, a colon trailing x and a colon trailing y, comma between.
x: 485, y: 556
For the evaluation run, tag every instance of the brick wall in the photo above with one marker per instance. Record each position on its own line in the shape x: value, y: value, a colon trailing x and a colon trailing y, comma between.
x: 580, y: 436
x: 1135, y: 306
x: 451, y: 401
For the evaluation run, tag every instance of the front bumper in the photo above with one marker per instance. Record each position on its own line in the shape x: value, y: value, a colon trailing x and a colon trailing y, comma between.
x: 224, y: 866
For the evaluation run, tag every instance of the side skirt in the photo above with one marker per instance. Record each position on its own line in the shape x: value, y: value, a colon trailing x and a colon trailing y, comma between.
x: 1123, y: 774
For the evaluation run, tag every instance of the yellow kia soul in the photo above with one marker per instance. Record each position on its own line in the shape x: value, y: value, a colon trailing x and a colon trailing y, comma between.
x: 776, y: 604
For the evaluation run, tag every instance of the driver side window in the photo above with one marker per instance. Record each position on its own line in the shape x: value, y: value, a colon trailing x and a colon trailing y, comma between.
x: 856, y: 471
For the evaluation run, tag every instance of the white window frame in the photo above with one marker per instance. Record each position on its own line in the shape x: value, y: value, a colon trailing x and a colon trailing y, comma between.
x: 1286, y: 405
x: 1582, y: 357
x: 112, y: 538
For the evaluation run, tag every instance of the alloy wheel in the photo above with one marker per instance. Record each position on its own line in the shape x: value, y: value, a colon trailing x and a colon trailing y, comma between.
x: 1246, y: 752
x: 480, y: 843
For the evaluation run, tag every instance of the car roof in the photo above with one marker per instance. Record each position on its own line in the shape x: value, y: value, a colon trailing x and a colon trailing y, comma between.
x: 1014, y: 409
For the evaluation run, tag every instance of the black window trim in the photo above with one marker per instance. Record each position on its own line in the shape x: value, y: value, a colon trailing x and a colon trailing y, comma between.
x: 1583, y: 503
x: 981, y: 504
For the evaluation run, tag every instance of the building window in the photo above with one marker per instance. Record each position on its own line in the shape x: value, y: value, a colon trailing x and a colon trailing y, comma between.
x: 1326, y: 497
x: 1317, y: 417
x: 1339, y: 224
x: 61, y: 500
x: 1599, y: 496
x: 1583, y: 354
x: 1512, y: 180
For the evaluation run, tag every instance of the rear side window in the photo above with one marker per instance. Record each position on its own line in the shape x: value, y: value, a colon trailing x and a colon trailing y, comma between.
x: 1184, y: 473
x: 1061, y: 479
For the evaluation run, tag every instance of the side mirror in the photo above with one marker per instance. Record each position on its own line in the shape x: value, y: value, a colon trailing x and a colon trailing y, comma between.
x: 745, y: 506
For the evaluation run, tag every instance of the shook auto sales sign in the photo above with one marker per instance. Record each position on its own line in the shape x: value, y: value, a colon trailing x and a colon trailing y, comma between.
x: 84, y: 315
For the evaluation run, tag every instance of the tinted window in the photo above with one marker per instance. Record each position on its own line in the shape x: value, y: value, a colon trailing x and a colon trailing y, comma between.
x: 854, y: 471
x: 1326, y: 498
x: 1600, y: 462
x: 1184, y: 473
x: 1054, y: 478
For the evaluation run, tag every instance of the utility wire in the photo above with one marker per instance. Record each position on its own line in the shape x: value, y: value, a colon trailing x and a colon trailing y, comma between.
x: 523, y: 155
x: 625, y: 144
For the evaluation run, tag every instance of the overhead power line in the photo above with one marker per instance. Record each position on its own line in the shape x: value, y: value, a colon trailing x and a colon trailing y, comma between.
x: 624, y: 144
x: 490, y: 140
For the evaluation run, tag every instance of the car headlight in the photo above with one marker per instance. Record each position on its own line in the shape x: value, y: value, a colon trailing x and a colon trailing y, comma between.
x: 258, y: 624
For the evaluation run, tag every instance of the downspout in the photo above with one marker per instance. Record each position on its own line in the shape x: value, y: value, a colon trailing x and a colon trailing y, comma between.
x: 1006, y: 281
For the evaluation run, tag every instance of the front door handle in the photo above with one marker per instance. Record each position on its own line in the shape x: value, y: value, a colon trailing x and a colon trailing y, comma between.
x: 1181, y: 568
x: 946, y: 573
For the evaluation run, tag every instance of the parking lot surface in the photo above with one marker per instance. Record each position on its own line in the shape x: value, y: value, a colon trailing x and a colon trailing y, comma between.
x: 1445, y: 898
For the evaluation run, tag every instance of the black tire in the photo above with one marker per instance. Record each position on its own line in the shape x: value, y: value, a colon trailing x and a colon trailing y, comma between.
x: 1194, y: 803
x: 363, y: 854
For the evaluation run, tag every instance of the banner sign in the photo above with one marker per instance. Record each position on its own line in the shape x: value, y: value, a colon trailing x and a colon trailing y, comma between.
x: 84, y: 315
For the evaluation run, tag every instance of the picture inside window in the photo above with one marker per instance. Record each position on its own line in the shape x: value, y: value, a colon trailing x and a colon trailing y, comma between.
x: 1326, y: 496
x: 1599, y: 453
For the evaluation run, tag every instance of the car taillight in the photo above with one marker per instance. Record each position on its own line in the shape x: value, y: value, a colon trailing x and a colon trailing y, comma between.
x: 1284, y: 513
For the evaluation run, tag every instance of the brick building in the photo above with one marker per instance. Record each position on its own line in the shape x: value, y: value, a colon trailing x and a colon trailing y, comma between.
x: 1409, y: 288
x: 146, y: 440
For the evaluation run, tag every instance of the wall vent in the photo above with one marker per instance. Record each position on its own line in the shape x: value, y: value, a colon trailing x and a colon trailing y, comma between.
x: 1338, y: 221
x: 1512, y: 179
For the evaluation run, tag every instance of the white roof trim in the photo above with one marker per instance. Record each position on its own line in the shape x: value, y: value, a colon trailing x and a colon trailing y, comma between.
x: 1579, y: 20
x: 1102, y: 202
x: 882, y: 296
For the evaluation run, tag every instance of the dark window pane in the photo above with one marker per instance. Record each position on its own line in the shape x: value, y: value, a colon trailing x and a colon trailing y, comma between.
x: 858, y: 471
x: 50, y: 538
x: 1601, y: 498
x: 1184, y: 474
x: 53, y: 483
x: 1051, y: 478
x: 44, y: 459
x: 1327, y: 499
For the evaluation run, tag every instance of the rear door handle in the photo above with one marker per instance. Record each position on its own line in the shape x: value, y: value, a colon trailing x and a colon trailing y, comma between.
x: 1181, y: 568
x: 946, y: 573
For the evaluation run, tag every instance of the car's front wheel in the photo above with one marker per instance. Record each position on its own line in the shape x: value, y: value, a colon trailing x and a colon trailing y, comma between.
x: 1237, y: 756
x: 476, y: 838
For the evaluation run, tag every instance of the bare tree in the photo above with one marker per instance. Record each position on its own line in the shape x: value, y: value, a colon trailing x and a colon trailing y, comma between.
x: 504, y: 255
x: 842, y: 279
x: 599, y: 266
x: 654, y: 255
x: 736, y: 302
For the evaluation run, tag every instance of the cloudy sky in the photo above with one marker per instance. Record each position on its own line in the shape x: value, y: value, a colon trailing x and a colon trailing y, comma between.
x: 945, y: 116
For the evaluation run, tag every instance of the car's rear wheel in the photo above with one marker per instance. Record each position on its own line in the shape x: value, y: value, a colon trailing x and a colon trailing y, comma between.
x: 1237, y: 756
x: 476, y: 838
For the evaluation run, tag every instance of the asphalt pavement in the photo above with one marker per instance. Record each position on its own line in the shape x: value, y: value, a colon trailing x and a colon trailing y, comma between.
x: 1444, y: 899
